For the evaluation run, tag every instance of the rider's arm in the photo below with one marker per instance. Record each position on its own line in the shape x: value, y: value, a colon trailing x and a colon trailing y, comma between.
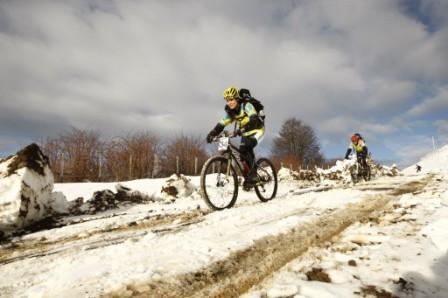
x: 254, y: 120
x: 225, y: 120
x: 217, y: 129
x: 349, y: 150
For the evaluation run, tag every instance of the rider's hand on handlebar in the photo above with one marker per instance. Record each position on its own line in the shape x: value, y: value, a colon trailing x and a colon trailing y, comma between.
x: 209, y: 138
x: 240, y: 131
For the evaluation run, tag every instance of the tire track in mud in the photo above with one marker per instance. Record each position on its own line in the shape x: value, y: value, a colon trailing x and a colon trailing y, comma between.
x: 166, y: 223
x: 243, y: 269
x: 159, y: 224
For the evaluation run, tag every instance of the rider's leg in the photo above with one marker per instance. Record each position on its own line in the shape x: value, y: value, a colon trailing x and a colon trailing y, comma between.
x: 247, y: 150
x: 247, y: 146
x: 361, y: 157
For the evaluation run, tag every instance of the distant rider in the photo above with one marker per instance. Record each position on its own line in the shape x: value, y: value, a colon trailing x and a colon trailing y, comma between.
x: 418, y: 168
x: 250, y: 128
x: 358, y: 144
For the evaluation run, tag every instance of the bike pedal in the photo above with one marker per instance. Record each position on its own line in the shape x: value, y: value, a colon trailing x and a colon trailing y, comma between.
x: 247, y: 188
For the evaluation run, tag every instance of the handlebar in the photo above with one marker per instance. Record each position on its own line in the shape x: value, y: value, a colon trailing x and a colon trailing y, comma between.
x: 225, y: 133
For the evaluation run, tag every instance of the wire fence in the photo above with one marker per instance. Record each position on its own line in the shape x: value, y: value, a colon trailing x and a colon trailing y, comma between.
x: 100, y: 172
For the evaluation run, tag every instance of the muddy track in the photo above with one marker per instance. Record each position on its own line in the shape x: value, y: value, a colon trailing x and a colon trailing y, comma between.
x: 243, y: 269
x: 99, y: 237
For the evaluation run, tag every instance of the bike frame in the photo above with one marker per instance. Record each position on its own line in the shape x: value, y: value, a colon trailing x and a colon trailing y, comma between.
x: 227, y: 156
x: 233, y: 154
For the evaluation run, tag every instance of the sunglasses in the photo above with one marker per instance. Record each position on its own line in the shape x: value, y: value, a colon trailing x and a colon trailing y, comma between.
x: 229, y: 99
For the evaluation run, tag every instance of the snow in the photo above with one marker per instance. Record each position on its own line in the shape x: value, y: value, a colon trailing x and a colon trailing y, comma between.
x: 24, y: 196
x: 400, y: 248
x: 435, y: 161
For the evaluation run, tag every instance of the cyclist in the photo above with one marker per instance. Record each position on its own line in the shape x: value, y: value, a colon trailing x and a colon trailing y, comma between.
x: 418, y: 168
x: 250, y: 128
x: 359, y: 145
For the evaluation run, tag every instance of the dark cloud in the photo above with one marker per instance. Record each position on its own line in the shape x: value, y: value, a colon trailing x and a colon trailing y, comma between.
x: 114, y: 66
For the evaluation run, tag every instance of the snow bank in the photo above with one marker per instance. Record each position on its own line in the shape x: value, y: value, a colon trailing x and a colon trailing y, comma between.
x: 436, y: 161
x: 339, y: 173
x: 26, y: 184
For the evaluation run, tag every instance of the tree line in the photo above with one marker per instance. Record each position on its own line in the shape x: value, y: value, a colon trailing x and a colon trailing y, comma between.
x: 83, y: 155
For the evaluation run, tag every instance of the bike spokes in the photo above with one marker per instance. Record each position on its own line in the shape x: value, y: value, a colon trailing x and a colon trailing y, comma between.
x: 358, y: 172
x: 219, y: 183
x: 266, y: 188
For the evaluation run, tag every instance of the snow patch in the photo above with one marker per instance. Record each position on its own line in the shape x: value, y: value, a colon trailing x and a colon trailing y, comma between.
x: 436, y: 161
x: 26, y: 184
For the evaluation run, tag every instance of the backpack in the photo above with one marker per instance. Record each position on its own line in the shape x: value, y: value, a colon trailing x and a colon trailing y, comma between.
x: 246, y: 97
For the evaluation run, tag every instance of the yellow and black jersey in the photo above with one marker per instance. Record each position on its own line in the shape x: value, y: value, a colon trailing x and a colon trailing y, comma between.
x: 359, y: 146
x: 246, y: 116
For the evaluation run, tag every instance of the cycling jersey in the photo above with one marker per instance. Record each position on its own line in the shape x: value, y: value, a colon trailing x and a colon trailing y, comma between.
x: 358, y: 147
x: 247, y: 118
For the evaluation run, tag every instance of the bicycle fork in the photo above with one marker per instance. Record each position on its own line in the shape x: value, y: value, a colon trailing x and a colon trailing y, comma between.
x: 229, y: 164
x: 227, y: 173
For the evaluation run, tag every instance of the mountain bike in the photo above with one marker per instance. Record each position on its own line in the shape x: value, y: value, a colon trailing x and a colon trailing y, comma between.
x: 219, y: 175
x: 358, y: 171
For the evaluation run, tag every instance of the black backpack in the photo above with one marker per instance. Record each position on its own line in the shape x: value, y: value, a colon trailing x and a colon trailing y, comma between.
x: 246, y: 97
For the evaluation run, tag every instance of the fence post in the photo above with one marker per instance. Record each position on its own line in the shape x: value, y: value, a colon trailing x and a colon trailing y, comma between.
x: 62, y: 170
x: 99, y: 168
x: 281, y: 164
x: 156, y: 168
x: 177, y: 165
x: 195, y: 166
x: 130, y: 167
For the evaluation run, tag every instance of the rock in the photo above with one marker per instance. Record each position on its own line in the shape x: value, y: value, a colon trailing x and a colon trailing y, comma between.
x: 106, y: 199
x: 177, y: 186
x: 318, y: 274
x: 169, y: 190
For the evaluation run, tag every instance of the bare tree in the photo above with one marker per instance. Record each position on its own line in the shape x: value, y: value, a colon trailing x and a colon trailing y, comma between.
x: 74, y: 155
x: 297, y: 144
x: 132, y: 156
x: 52, y: 148
x: 116, y: 156
x: 81, y: 149
x: 183, y: 152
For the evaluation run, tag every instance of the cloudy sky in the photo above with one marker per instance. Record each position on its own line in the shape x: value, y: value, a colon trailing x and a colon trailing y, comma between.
x: 378, y: 67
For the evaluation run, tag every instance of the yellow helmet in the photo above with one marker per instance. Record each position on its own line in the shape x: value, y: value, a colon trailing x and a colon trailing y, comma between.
x: 231, y: 92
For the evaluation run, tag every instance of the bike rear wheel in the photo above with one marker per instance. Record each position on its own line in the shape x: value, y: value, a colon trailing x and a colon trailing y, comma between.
x: 219, y: 183
x: 266, y: 189
x: 366, y: 174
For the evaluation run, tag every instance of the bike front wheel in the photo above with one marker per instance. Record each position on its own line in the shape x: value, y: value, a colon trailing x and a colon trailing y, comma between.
x: 266, y: 189
x: 219, y: 183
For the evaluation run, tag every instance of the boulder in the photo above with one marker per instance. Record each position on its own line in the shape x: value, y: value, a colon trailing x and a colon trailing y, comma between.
x: 106, y: 199
x: 177, y: 186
